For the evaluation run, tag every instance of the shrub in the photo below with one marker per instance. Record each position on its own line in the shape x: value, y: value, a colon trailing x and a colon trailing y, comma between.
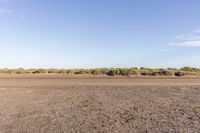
x: 113, y: 72
x: 146, y: 72
x: 168, y: 73
x: 36, y: 72
x: 156, y: 73
x: 62, y: 72
x: 69, y: 71
x: 123, y: 71
x: 96, y: 71
x: 179, y: 73
x: 188, y: 69
x: 133, y: 71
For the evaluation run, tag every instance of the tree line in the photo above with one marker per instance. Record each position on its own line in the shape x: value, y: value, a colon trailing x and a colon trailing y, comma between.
x: 185, y: 71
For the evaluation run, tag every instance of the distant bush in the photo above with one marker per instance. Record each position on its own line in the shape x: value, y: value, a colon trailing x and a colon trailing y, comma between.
x: 96, y: 71
x: 190, y: 73
x: 157, y: 73
x: 146, y: 72
x: 168, y: 73
x: 188, y: 69
x: 62, y: 72
x: 113, y: 72
x: 133, y: 71
x: 123, y: 71
x: 36, y: 72
x: 179, y: 73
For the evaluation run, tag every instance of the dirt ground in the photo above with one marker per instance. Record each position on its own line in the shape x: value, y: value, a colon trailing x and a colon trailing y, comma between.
x: 90, y: 104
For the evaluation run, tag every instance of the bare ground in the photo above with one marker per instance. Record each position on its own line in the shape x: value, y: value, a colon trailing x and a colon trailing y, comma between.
x: 83, y: 104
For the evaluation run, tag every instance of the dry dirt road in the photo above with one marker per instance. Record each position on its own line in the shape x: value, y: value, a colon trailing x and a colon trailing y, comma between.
x: 89, y: 104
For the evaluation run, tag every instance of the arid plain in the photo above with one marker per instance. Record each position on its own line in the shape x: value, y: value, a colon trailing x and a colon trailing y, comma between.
x: 59, y: 104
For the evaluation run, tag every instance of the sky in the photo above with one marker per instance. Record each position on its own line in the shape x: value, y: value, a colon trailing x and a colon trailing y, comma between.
x: 99, y: 33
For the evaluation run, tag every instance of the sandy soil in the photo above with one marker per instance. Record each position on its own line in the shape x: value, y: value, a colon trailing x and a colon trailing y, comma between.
x: 83, y: 104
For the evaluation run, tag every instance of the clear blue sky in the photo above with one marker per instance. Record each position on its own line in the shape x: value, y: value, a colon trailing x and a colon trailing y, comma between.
x: 99, y: 33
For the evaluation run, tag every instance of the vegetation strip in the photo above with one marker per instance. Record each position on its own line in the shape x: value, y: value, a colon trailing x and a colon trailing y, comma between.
x: 185, y: 71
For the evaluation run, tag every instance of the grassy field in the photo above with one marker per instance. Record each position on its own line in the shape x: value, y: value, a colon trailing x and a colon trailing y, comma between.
x: 60, y: 103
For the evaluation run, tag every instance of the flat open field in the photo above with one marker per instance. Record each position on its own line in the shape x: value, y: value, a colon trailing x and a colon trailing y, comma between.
x: 59, y: 104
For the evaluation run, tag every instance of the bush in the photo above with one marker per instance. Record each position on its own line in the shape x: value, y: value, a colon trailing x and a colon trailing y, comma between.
x: 113, y: 72
x: 133, y: 71
x: 188, y: 69
x: 146, y: 72
x: 168, y: 73
x: 36, y: 72
x: 179, y: 73
x: 157, y: 73
x: 123, y: 71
